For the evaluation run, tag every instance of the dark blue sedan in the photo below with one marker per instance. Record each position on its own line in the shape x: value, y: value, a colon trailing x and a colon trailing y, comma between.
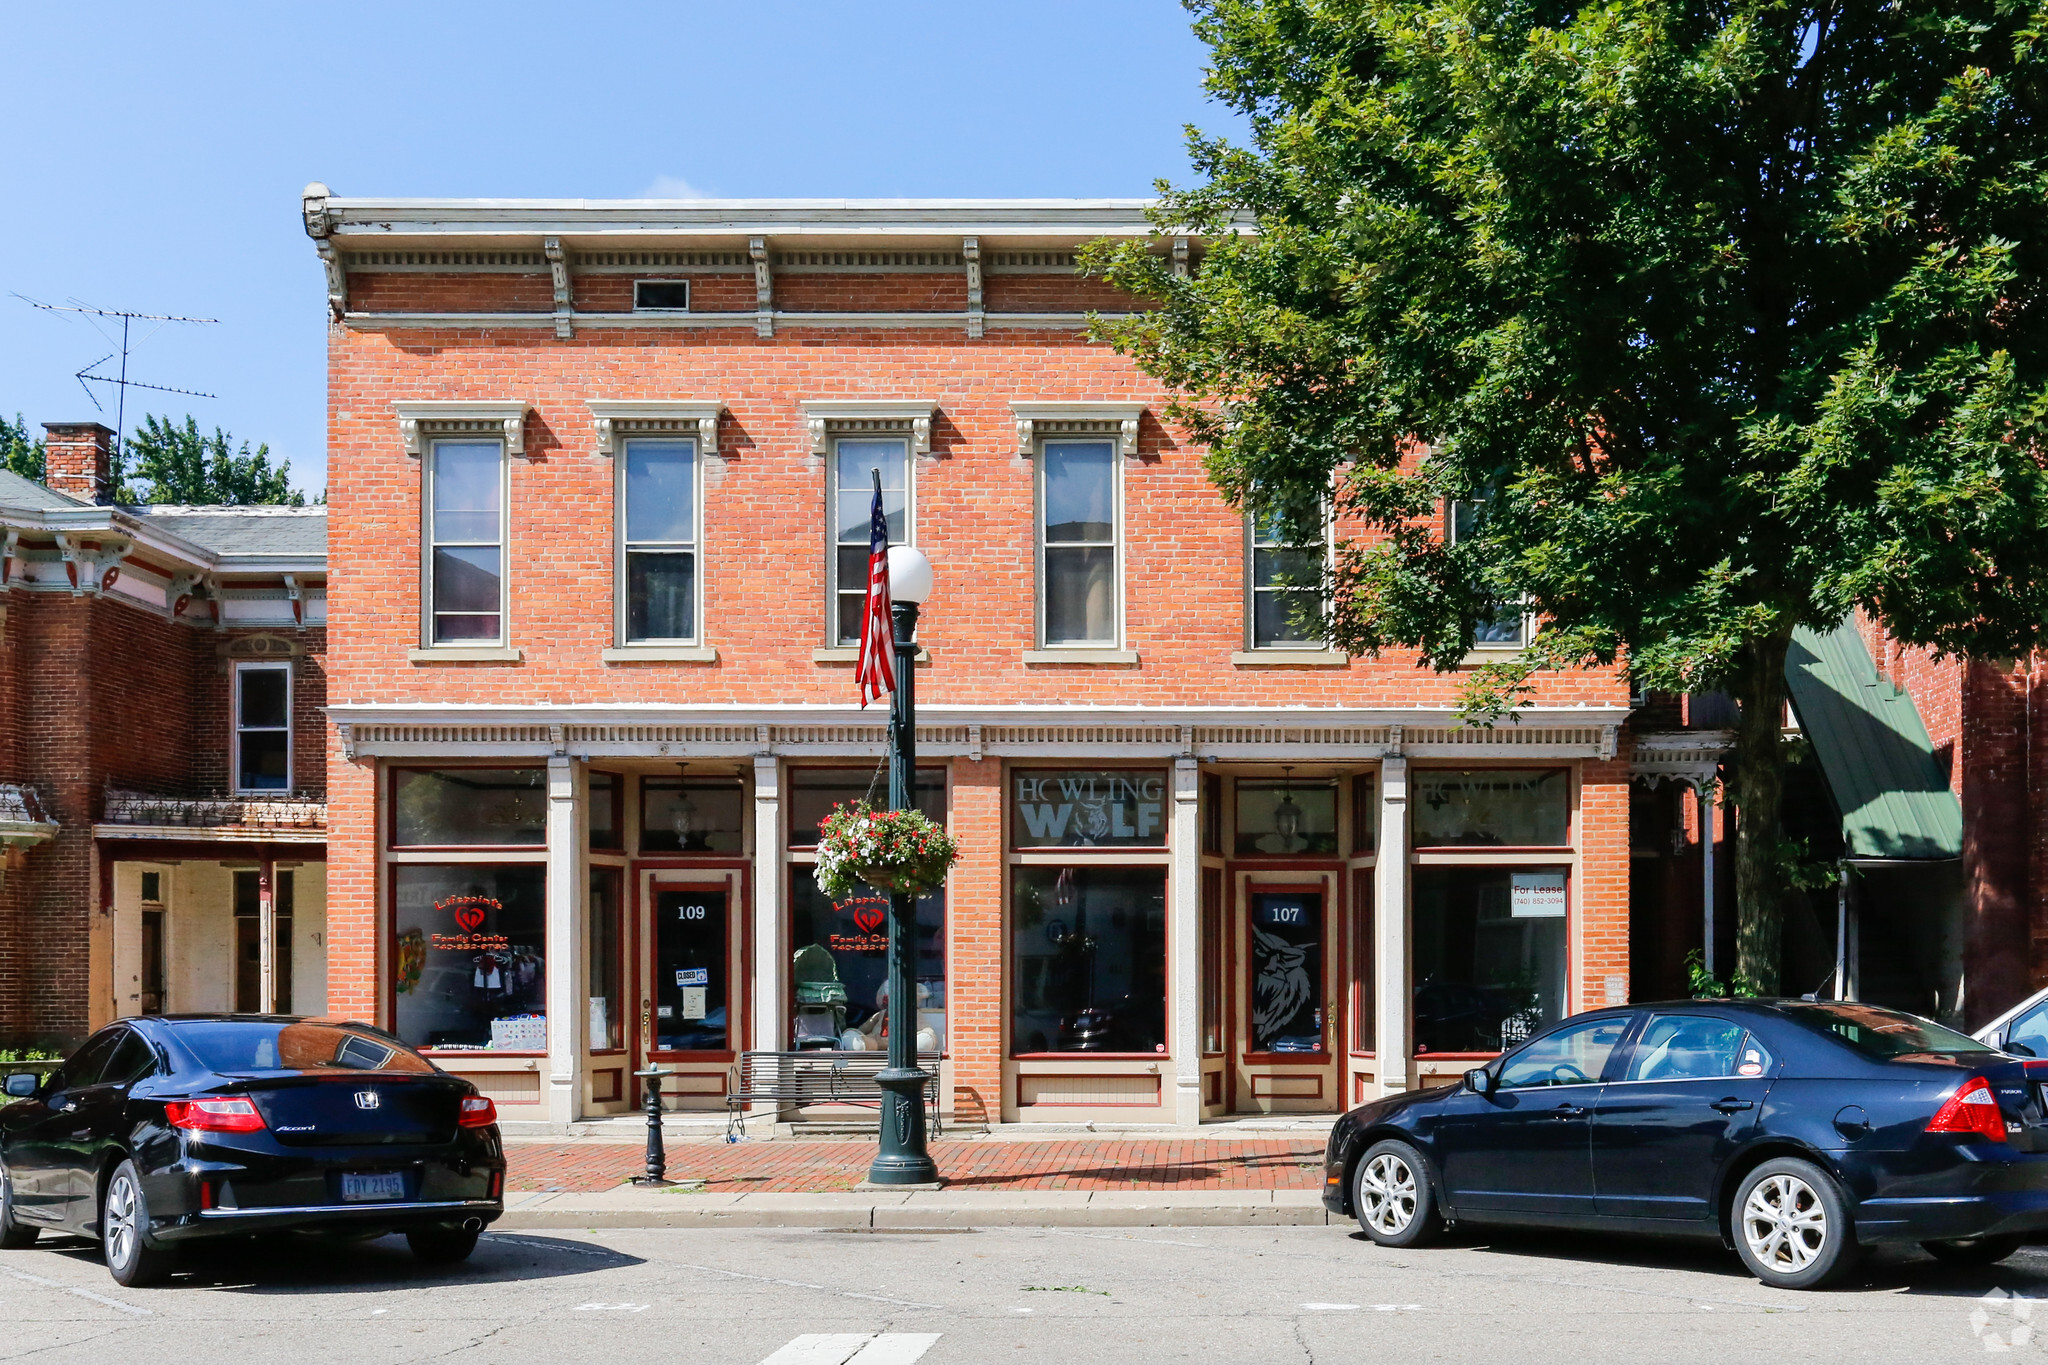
x: 1796, y: 1131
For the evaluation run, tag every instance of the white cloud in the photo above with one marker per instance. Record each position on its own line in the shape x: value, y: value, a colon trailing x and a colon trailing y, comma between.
x: 672, y: 187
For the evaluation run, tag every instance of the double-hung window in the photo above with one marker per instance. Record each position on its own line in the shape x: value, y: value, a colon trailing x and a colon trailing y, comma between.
x: 466, y: 542
x: 659, y: 479
x: 263, y: 727
x: 854, y: 462
x: 1078, y: 544
x: 1507, y: 627
x: 1284, y: 581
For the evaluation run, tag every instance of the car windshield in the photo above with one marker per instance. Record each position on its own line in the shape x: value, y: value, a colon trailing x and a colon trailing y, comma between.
x: 1876, y: 1032
x: 231, y: 1045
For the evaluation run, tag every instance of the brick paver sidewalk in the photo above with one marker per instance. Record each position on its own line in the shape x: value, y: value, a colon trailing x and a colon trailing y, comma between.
x: 814, y: 1167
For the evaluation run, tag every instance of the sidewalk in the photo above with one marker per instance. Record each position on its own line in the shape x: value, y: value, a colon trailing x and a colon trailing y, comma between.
x: 1072, y: 1182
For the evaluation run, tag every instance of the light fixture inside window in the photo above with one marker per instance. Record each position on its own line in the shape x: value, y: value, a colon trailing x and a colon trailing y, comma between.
x: 684, y: 818
x: 1287, y: 815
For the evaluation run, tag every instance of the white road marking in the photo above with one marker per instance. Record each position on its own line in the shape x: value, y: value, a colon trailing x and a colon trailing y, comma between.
x: 855, y: 1348
x: 82, y: 1293
x: 1331, y: 1307
x: 611, y: 1307
x: 800, y: 1284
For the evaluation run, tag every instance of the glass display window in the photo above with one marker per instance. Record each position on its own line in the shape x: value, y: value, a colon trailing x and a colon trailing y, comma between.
x: 606, y: 828
x: 1212, y: 960
x: 839, y: 969
x: 469, y: 957
x: 1088, y: 808
x: 1088, y: 959
x: 1286, y: 818
x: 460, y: 807
x: 1489, y: 955
x: 1499, y: 807
x: 1365, y: 813
x: 692, y: 815
x: 607, y: 1000
x: 813, y: 792
x: 692, y: 976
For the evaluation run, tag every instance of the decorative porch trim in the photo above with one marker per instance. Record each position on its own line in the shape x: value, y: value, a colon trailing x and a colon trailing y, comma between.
x: 1693, y: 757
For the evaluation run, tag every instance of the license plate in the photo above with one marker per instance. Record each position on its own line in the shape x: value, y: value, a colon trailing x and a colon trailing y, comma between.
x: 368, y: 1188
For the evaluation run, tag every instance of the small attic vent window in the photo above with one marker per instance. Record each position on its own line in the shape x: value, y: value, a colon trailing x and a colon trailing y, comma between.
x: 671, y: 296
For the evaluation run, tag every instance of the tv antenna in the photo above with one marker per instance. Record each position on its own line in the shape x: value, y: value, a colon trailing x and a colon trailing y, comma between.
x: 87, y: 377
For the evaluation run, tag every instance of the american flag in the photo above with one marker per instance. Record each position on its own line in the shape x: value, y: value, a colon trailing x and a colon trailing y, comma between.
x: 876, y: 671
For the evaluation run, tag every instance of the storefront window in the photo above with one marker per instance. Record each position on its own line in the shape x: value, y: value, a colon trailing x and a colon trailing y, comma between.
x: 1363, y: 1024
x: 840, y: 968
x: 692, y: 815
x: 454, y: 807
x: 606, y: 1027
x: 1212, y: 959
x: 1088, y: 808
x: 1365, y: 813
x: 469, y: 958
x: 1088, y: 954
x: 813, y: 792
x: 1286, y: 817
x: 1503, y: 807
x: 1287, y: 971
x: 1212, y: 814
x: 692, y: 982
x: 604, y: 811
x: 1489, y: 956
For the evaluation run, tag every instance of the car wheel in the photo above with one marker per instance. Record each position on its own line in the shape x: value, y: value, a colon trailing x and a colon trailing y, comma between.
x: 1974, y: 1250
x: 13, y: 1236
x: 441, y: 1246
x: 1792, y: 1225
x: 124, y: 1225
x: 1392, y: 1195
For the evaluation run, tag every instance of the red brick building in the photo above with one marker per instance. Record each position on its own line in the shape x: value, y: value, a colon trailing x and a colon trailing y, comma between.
x: 601, y: 473
x: 162, y: 752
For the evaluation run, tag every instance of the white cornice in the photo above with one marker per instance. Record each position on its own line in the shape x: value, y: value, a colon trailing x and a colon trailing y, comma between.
x: 822, y: 414
x: 1124, y: 416
x: 397, y: 322
x: 507, y: 416
x: 609, y: 414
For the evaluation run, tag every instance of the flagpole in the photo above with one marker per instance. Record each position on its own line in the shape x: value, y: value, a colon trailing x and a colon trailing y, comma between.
x: 901, y: 1157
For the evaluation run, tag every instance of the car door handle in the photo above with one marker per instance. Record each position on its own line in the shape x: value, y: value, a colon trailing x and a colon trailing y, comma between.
x: 1731, y: 1105
x: 1570, y: 1111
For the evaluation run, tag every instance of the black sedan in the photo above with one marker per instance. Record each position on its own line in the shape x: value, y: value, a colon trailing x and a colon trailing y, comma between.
x: 161, y: 1131
x: 1796, y: 1131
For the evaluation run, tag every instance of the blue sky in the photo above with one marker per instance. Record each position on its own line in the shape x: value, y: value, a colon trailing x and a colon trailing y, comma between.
x: 153, y: 155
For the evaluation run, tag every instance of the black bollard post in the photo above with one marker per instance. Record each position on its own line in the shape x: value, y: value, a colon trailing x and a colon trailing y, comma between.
x: 657, y: 1153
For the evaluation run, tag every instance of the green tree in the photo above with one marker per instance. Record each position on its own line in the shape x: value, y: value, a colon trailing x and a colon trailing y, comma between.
x: 1717, y: 316
x: 175, y: 464
x: 19, y: 453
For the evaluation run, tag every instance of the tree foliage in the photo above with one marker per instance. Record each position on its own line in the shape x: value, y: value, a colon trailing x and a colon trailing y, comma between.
x: 1729, y: 314
x: 19, y: 452
x: 173, y: 464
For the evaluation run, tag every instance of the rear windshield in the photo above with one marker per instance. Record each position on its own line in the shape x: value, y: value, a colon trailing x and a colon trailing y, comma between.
x: 1876, y: 1032
x: 304, y: 1045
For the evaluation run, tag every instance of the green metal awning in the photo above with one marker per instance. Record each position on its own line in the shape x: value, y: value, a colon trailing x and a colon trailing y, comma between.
x: 1873, y: 749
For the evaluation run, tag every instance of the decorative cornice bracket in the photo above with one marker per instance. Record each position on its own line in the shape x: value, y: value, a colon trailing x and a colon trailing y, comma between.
x: 1124, y: 418
x: 612, y: 417
x: 764, y: 286
x: 505, y: 418
x: 970, y: 250
x: 822, y: 415
x: 565, y: 294
x: 337, y: 278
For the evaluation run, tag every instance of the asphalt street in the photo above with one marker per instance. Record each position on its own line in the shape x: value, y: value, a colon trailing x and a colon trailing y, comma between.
x: 1066, y: 1296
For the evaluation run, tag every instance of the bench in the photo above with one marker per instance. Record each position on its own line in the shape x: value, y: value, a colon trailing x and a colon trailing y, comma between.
x: 802, y: 1078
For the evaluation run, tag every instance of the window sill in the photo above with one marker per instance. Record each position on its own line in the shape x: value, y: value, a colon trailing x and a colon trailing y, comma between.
x: 462, y: 654
x: 1290, y: 658
x: 661, y: 654
x: 850, y: 654
x: 1488, y: 654
x: 1111, y: 658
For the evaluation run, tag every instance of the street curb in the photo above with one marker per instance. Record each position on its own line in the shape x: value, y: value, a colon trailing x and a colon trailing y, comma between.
x: 940, y: 1209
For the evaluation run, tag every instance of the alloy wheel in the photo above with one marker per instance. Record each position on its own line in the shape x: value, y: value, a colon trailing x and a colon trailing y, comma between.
x: 1785, y: 1223
x: 118, y: 1225
x: 1387, y: 1192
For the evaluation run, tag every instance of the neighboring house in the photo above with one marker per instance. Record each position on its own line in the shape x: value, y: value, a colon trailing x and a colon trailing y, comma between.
x: 602, y: 472
x: 162, y: 752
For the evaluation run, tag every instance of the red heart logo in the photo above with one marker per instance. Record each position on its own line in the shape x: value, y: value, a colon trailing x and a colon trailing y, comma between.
x: 869, y: 918
x: 469, y: 918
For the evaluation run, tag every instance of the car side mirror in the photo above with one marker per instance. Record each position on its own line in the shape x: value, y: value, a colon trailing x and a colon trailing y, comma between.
x: 2019, y: 1049
x: 1479, y: 1081
x: 21, y: 1085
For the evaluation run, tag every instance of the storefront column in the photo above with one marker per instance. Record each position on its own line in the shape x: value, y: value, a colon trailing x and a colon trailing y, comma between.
x: 771, y: 933
x: 1184, y: 935
x: 1392, y: 990
x: 565, y: 969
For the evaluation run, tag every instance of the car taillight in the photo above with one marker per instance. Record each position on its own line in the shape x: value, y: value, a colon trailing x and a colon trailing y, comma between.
x: 477, y: 1112
x: 234, y: 1115
x: 1972, y: 1109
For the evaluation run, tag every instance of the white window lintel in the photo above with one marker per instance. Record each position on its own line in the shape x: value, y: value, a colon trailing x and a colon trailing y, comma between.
x: 504, y: 417
x: 609, y: 416
x: 822, y: 414
x: 1124, y: 416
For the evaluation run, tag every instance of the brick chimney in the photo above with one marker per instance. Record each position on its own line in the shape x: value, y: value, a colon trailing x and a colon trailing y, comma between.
x: 78, y: 460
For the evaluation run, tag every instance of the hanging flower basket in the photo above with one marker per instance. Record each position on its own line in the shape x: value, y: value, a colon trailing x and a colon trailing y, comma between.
x: 891, y: 850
